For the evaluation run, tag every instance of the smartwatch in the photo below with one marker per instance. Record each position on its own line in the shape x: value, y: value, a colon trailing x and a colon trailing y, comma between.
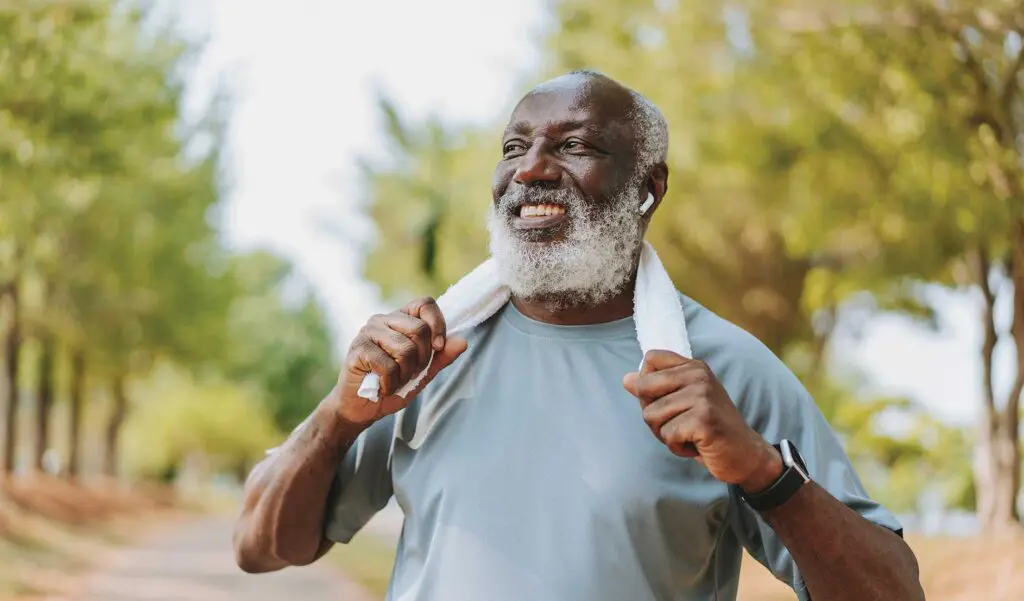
x: 794, y: 475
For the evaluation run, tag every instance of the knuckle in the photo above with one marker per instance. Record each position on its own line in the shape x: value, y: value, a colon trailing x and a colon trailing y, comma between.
x: 352, y: 360
x: 375, y: 319
x: 418, y: 304
x: 421, y: 329
x: 361, y: 346
x: 706, y: 417
x: 408, y: 351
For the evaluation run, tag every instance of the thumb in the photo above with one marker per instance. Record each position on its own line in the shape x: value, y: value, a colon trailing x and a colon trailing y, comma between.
x: 453, y: 347
x: 630, y: 379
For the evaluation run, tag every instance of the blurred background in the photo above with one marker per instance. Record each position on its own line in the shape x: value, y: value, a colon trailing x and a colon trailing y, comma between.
x: 202, y: 201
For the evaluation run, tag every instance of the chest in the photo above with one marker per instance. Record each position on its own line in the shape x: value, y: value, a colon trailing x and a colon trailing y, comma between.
x: 557, y: 440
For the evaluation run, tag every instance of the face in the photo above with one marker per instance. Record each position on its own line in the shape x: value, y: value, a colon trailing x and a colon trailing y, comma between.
x: 564, y: 222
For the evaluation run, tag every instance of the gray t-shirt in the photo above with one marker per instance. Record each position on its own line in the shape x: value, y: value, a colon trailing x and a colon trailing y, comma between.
x: 526, y: 472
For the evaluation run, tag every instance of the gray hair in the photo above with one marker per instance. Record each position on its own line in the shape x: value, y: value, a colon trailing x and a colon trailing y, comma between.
x: 649, y: 126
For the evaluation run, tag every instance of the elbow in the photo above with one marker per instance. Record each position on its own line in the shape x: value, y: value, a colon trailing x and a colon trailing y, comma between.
x: 916, y: 591
x: 249, y: 563
x: 912, y: 589
x: 293, y: 553
x: 251, y: 556
x: 261, y: 551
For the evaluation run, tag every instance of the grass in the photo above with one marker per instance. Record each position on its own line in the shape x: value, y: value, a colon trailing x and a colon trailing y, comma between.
x: 367, y: 559
x: 952, y: 569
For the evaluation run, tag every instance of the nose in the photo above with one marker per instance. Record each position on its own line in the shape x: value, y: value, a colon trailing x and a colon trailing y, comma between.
x: 536, y: 168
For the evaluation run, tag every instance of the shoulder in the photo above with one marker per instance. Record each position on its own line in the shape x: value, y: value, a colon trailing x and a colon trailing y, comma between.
x: 757, y: 380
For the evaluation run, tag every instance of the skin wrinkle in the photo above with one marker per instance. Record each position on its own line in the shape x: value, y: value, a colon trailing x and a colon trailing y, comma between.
x: 593, y: 258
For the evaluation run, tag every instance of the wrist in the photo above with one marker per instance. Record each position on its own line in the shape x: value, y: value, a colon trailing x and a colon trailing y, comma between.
x: 769, y: 469
x: 331, y: 419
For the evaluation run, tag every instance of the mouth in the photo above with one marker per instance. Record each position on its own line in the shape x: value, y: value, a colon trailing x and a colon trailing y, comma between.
x: 539, y: 216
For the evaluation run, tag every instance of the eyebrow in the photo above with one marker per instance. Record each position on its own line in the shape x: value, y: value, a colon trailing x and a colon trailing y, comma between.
x: 524, y: 128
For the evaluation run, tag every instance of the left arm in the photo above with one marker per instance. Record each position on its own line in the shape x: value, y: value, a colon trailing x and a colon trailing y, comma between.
x: 841, y: 555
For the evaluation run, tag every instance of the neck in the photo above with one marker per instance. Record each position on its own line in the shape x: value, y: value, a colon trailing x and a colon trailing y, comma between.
x: 558, y: 312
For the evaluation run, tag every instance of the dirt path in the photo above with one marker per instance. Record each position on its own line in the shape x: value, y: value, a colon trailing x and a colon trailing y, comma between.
x: 193, y: 561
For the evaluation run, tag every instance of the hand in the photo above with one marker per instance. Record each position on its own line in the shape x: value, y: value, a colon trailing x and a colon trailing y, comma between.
x: 396, y: 347
x: 688, y: 410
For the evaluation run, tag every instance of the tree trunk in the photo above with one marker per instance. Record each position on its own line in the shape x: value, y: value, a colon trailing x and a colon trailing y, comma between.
x: 997, y: 456
x: 44, y: 402
x: 997, y: 479
x: 12, y: 351
x: 77, y: 398
x: 117, y: 415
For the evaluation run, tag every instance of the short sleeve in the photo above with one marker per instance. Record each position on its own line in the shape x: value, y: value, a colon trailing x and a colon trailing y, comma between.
x: 778, y: 406
x: 362, y: 484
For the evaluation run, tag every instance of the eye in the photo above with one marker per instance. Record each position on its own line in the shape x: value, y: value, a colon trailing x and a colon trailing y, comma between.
x: 574, y: 146
x: 513, y: 148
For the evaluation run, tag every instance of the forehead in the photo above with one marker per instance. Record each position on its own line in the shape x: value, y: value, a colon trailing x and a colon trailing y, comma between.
x: 558, y: 108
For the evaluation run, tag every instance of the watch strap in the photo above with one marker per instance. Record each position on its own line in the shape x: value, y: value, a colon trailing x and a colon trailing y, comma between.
x: 792, y: 478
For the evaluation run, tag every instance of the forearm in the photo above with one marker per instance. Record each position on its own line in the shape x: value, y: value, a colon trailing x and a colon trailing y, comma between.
x: 841, y: 555
x: 286, y: 496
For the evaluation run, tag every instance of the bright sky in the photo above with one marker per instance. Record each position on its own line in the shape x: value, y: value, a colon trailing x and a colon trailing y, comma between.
x: 304, y: 74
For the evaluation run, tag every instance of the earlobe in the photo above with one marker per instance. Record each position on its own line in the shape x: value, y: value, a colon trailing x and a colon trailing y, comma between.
x: 647, y: 203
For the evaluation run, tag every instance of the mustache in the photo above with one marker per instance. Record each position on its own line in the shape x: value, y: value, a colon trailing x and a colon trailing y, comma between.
x: 517, y: 196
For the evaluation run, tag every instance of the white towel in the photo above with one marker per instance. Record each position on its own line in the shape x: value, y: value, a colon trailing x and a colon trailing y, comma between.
x: 657, y: 311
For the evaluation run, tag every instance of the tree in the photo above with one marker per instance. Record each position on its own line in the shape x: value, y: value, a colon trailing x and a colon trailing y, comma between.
x: 865, y: 128
x: 429, y: 201
x: 186, y: 419
x: 805, y: 172
x: 945, y: 119
x: 111, y: 251
x: 280, y: 343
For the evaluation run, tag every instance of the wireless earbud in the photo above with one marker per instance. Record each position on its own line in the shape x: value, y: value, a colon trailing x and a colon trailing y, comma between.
x: 647, y: 203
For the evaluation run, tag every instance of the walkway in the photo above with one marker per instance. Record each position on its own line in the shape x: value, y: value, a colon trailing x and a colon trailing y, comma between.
x: 193, y: 561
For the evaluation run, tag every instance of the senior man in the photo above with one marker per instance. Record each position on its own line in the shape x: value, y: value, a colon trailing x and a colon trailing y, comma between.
x: 554, y: 471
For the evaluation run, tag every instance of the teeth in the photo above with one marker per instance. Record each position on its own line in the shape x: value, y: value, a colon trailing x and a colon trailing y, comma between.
x: 541, y: 210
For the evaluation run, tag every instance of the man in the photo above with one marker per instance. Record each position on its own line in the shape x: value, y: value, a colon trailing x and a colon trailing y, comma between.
x: 552, y: 470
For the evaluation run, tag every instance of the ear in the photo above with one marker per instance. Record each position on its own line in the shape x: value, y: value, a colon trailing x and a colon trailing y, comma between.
x: 656, y: 187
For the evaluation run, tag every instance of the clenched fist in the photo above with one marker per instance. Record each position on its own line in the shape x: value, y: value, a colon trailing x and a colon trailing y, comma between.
x: 396, y: 347
x: 687, y: 409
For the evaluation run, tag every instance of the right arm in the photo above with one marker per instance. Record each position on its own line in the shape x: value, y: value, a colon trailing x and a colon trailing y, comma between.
x: 286, y: 497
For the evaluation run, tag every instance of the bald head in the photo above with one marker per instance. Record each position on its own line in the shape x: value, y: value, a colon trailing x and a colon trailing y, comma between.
x: 580, y: 156
x: 647, y: 124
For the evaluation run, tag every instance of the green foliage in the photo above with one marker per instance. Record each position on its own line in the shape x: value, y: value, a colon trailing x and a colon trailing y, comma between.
x: 923, y: 456
x: 823, y: 161
x: 283, y: 349
x: 218, y: 423
x: 108, y: 197
x: 429, y: 204
x: 109, y: 220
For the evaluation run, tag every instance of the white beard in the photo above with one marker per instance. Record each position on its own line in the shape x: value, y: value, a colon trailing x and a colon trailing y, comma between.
x: 591, y: 264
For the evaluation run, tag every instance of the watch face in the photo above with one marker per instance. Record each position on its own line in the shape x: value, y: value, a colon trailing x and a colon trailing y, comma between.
x: 791, y: 457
